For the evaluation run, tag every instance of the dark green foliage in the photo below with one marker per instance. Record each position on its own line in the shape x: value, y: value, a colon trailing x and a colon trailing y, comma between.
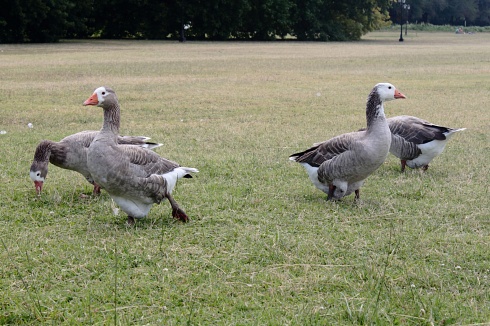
x: 445, y: 12
x: 216, y: 20
x: 337, y: 20
x: 268, y: 19
x: 322, y: 20
x: 48, y: 21
x: 42, y: 21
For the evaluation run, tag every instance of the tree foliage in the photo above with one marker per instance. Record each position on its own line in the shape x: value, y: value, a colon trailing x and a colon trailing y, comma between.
x: 33, y: 20
x: 445, y: 12
x: 50, y: 20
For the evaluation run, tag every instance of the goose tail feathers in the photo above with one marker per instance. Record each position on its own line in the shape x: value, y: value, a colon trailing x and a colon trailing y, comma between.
x: 452, y: 132
x: 176, y: 174
x: 185, y: 172
x: 151, y: 145
x: 296, y: 156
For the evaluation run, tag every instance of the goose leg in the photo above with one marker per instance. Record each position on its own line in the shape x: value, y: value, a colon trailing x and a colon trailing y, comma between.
x: 177, y: 212
x: 96, y: 191
x: 131, y: 220
x: 331, y: 189
x: 403, y: 164
x: 357, y: 193
x: 425, y: 167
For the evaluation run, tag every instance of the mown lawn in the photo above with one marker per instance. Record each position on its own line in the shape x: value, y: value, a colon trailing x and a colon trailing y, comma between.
x: 263, y: 246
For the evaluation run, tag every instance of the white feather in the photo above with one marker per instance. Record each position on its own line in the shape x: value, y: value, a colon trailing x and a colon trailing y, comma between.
x: 430, y: 150
x: 313, y: 174
x: 175, y: 175
x: 132, y: 207
x: 36, y: 176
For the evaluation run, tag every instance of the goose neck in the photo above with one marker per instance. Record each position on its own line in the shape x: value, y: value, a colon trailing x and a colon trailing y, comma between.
x: 43, y: 151
x: 374, y: 111
x: 111, y: 119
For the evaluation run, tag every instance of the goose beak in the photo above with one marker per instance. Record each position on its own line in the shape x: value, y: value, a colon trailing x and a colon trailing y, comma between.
x: 399, y: 95
x: 92, y: 100
x: 39, y: 186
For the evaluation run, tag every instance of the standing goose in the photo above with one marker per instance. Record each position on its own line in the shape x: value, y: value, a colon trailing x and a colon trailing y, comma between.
x: 340, y: 165
x: 135, y: 178
x: 416, y: 142
x: 71, y: 153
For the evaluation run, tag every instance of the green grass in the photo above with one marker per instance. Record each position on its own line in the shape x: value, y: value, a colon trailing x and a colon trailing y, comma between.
x: 263, y: 246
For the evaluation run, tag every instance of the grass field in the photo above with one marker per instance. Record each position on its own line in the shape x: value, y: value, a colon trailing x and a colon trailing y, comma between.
x: 263, y: 246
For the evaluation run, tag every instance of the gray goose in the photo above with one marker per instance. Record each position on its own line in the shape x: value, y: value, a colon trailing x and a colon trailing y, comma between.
x: 71, y: 153
x: 134, y: 177
x: 416, y: 142
x: 340, y: 165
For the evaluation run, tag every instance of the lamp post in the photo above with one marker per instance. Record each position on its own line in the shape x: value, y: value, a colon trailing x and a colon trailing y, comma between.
x: 401, y: 2
x: 407, y: 7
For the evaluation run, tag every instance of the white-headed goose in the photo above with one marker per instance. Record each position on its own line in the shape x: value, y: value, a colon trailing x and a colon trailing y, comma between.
x: 135, y: 178
x: 416, y: 142
x: 71, y: 153
x: 340, y: 165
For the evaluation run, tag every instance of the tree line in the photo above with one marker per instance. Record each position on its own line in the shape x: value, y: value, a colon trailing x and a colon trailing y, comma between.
x: 323, y: 20
x: 444, y: 12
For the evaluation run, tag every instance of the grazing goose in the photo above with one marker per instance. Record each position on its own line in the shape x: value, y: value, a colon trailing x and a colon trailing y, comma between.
x: 340, y: 165
x: 135, y: 178
x: 417, y: 142
x: 71, y: 153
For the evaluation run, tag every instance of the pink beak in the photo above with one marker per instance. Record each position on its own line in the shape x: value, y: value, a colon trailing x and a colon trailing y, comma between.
x: 92, y: 100
x: 399, y: 95
x: 39, y: 186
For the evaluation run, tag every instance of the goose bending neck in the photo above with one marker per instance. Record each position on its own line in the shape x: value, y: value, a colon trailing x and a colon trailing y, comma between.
x: 43, y: 151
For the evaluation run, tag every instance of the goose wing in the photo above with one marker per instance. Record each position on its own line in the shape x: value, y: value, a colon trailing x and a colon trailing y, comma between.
x: 327, y: 150
x: 141, y: 141
x: 416, y: 130
x: 81, y: 139
x: 84, y: 138
x: 144, y: 162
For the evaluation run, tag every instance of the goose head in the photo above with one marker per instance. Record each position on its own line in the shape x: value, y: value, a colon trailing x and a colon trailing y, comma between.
x: 102, y: 95
x: 39, y: 166
x: 388, y: 92
x: 38, y: 173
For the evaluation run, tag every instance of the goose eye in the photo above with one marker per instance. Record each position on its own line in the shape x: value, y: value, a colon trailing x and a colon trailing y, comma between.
x: 103, y: 93
x: 38, y: 174
x: 389, y: 87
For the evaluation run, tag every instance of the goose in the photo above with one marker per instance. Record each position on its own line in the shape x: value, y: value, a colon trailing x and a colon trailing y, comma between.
x: 340, y: 165
x: 416, y: 142
x: 134, y: 177
x: 71, y: 153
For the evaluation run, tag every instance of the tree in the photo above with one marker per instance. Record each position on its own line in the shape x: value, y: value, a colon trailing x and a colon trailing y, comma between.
x: 338, y: 20
x: 33, y: 20
x: 267, y: 19
x: 218, y: 19
x: 80, y: 19
x: 324, y: 20
x: 483, y: 16
x: 12, y: 25
x: 443, y: 12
